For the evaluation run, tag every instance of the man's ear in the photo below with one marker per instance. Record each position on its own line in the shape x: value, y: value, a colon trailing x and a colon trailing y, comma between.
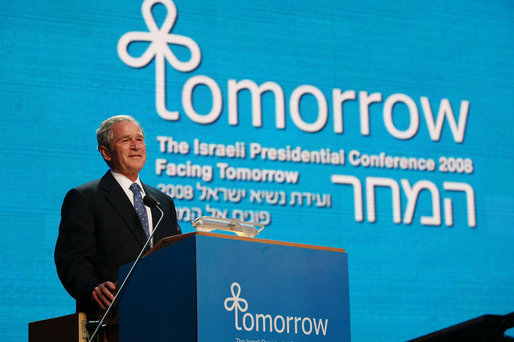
x: 106, y: 154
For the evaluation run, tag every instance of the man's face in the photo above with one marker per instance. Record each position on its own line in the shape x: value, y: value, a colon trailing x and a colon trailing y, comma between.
x: 127, y: 154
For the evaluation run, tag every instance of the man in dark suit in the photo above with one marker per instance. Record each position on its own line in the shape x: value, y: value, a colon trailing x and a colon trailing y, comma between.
x: 104, y: 225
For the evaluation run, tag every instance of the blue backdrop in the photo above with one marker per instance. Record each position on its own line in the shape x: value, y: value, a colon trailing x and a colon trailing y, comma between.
x: 380, y: 128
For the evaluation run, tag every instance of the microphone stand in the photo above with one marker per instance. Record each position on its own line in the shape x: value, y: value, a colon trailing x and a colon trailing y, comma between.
x: 154, y: 203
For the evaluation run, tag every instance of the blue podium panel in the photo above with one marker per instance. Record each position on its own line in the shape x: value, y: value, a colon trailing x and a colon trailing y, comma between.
x: 255, y: 291
x: 211, y: 287
x: 159, y: 301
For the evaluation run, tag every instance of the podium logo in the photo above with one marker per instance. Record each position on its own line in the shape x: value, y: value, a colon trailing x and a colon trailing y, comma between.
x: 159, y: 39
x: 269, y: 323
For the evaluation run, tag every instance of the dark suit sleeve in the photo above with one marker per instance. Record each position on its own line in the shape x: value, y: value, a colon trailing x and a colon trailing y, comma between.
x: 76, y: 247
x: 173, y: 215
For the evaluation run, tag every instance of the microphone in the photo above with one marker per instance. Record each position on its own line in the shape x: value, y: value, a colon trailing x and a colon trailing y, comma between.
x: 151, y: 202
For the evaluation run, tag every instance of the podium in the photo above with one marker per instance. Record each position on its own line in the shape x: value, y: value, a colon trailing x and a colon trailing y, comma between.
x: 70, y: 328
x: 217, y: 287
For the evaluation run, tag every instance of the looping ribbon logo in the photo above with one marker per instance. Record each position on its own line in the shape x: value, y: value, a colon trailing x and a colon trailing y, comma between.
x: 236, y: 301
x: 159, y: 39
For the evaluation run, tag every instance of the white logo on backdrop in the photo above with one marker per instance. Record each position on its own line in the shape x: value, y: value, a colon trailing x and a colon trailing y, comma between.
x: 159, y: 38
x: 267, y: 323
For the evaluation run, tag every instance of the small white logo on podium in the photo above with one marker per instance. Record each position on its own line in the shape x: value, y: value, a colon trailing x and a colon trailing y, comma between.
x: 268, y: 323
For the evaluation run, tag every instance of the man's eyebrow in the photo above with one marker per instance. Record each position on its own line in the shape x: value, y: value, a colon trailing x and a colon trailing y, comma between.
x: 129, y: 135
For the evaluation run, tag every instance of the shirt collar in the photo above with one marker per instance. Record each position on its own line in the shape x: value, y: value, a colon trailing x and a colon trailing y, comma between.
x: 125, y: 183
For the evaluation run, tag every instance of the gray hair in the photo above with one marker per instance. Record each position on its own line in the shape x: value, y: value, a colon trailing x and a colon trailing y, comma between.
x: 104, y: 133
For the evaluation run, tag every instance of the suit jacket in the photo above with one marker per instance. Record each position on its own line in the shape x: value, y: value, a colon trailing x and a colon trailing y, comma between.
x: 99, y: 232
